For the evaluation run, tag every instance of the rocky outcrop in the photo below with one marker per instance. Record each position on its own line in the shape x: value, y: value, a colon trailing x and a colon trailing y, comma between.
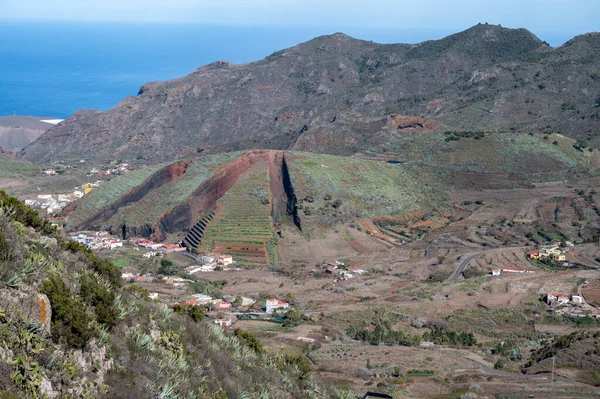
x: 31, y: 306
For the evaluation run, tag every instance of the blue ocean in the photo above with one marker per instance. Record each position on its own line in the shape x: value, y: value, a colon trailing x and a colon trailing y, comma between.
x: 53, y: 69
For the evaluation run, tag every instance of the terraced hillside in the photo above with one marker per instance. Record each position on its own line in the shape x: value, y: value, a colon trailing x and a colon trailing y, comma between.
x: 486, y: 160
x: 331, y: 189
x: 248, y: 194
x: 135, y: 203
x: 242, y: 224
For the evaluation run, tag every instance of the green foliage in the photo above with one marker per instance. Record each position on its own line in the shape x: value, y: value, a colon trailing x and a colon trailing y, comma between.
x: 25, y: 215
x: 194, y: 312
x: 70, y: 320
x: 167, y: 267
x: 250, y: 339
x: 382, y: 333
x: 101, y: 297
x: 443, y: 337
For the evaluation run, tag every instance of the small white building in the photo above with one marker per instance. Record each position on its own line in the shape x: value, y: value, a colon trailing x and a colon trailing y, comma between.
x: 274, y: 304
x: 30, y: 202
x: 207, y: 259
x: 192, y: 269
x: 114, y: 244
x: 153, y: 295
x: 577, y: 299
x: 208, y: 267
x: 222, y: 322
x: 496, y: 272
x: 225, y: 260
x: 127, y: 276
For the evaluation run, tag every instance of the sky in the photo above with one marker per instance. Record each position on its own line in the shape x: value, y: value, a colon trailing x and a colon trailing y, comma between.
x: 552, y: 20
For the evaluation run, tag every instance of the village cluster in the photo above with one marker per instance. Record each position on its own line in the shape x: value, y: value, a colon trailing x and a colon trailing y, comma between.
x: 556, y: 252
x: 224, y: 309
x: 562, y: 303
x: 118, y: 169
x: 53, y: 203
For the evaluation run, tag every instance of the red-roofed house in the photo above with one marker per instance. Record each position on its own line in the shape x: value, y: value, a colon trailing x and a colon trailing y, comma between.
x: 188, y: 302
x: 222, y: 305
x: 273, y: 304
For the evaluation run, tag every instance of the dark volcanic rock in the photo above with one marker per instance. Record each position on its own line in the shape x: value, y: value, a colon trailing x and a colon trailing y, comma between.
x: 339, y: 95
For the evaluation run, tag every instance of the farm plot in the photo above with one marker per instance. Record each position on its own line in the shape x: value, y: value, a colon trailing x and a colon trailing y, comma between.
x: 160, y: 200
x: 242, y: 224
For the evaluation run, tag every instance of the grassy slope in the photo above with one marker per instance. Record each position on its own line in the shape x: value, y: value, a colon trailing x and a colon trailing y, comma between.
x: 365, y: 188
x: 495, y: 153
x: 107, y: 193
x: 160, y: 200
x: 12, y: 168
x: 131, y: 346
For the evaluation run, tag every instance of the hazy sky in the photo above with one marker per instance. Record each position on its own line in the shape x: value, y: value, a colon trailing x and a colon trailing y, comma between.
x: 554, y: 17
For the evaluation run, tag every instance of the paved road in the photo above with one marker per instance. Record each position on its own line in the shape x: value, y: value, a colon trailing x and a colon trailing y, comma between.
x: 462, y: 266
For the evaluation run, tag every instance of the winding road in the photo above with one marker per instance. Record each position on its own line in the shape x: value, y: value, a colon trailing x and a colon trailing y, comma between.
x: 462, y: 266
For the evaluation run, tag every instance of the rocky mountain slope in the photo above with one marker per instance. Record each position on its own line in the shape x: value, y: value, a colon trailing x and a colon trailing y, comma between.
x: 339, y: 95
x: 18, y: 131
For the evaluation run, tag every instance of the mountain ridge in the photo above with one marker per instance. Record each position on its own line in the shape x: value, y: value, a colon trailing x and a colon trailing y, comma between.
x: 339, y: 95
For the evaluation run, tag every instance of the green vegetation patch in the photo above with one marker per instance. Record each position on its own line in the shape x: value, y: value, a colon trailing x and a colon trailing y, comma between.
x: 149, y: 209
x: 491, y: 323
x: 349, y: 187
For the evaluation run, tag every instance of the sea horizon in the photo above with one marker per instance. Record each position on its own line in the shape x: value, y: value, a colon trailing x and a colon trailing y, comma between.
x: 50, y: 68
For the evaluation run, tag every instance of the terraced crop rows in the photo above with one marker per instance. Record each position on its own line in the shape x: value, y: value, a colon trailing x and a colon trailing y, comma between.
x: 162, y: 199
x: 242, y: 220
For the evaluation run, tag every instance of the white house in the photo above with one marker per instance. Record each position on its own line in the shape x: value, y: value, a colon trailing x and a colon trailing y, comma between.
x: 127, y: 276
x: 577, y: 299
x: 225, y: 260
x: 114, y: 244
x: 207, y: 259
x: 208, y: 267
x: 559, y: 298
x: 273, y: 304
x: 222, y: 322
x: 192, y: 269
x: 30, y: 202
x: 496, y: 272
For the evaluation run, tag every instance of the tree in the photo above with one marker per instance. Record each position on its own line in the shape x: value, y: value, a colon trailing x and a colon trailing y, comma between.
x: 167, y: 267
x: 238, y: 301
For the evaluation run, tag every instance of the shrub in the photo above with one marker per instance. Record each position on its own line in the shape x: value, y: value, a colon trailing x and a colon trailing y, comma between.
x: 167, y: 267
x: 70, y: 321
x: 101, y: 298
x: 250, y: 339
x: 194, y: 312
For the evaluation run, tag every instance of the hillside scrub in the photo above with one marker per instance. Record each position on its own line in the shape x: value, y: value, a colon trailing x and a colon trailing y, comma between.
x: 94, y: 339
